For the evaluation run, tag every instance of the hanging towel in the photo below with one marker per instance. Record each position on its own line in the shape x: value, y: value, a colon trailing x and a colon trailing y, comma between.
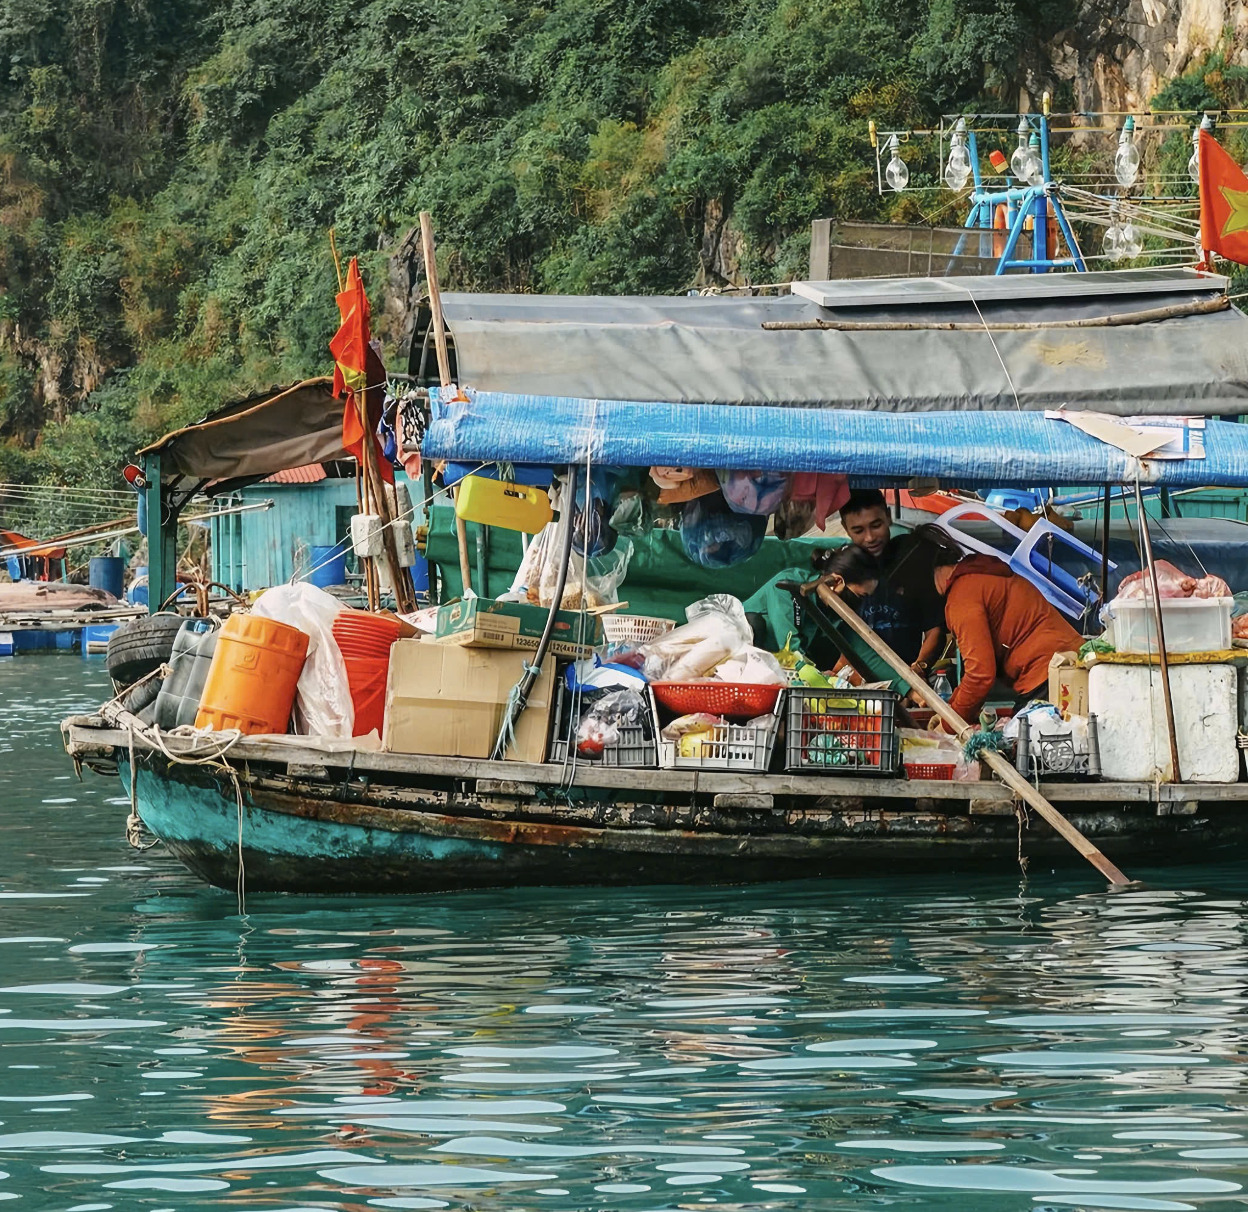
x: 827, y: 492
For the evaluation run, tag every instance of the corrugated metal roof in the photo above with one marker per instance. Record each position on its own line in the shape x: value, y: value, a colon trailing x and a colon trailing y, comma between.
x: 310, y: 473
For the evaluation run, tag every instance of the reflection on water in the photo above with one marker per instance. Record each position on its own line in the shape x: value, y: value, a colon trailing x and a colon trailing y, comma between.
x: 947, y: 1043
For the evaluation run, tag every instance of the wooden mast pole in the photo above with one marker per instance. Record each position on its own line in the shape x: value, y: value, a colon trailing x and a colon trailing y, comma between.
x: 445, y: 376
x: 1002, y: 768
x: 1175, y: 769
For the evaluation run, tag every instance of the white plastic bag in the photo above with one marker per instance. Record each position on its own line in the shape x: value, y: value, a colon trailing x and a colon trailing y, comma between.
x: 717, y: 628
x: 323, y: 700
x: 753, y: 665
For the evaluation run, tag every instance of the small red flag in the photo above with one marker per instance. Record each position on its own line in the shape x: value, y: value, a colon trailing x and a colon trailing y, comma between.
x: 358, y: 369
x: 1223, y: 202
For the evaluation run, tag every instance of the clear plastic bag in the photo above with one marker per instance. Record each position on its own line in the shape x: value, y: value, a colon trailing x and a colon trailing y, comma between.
x: 714, y: 536
x: 601, y: 723
x: 323, y: 701
x: 601, y: 575
x: 717, y: 628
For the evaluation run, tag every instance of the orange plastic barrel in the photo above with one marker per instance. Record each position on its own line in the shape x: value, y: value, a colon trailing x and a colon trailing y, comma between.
x: 252, y: 680
x: 365, y: 642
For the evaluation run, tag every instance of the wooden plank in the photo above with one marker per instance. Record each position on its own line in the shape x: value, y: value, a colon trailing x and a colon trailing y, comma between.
x: 284, y: 753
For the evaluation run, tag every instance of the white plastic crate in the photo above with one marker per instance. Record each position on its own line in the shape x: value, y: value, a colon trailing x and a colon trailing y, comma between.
x: 1191, y: 624
x: 730, y: 746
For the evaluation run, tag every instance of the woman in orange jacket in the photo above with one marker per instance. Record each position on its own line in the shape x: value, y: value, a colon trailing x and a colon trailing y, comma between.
x: 1003, y: 626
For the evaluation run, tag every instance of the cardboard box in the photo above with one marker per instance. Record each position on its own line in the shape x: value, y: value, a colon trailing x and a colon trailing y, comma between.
x: 449, y: 701
x: 479, y: 623
x: 1067, y: 685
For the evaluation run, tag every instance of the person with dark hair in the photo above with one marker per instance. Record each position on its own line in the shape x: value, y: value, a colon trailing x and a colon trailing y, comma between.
x: 848, y: 571
x: 1003, y: 626
x: 903, y: 609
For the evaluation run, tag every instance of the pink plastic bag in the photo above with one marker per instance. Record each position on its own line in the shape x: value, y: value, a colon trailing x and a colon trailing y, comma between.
x: 1174, y: 583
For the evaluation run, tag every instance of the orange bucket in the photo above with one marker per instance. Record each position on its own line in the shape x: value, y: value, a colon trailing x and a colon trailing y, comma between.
x: 252, y: 680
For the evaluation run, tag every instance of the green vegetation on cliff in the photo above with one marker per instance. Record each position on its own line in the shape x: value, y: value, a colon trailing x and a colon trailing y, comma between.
x: 169, y: 169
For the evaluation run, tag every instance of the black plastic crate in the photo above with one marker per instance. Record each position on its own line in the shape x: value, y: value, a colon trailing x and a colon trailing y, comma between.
x: 842, y: 731
x: 635, y: 748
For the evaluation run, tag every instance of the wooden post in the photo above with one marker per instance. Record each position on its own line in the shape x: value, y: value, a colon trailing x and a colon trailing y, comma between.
x: 821, y: 232
x: 1104, y: 545
x: 998, y: 763
x: 445, y: 376
x: 1175, y: 769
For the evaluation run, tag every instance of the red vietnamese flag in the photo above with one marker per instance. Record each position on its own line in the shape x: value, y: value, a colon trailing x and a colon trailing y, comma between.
x: 355, y: 365
x: 1223, y: 202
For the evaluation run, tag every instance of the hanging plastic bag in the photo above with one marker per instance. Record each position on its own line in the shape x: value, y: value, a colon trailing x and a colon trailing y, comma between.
x: 323, y: 701
x: 717, y: 628
x: 593, y: 530
x: 536, y: 578
x: 713, y: 536
x: 758, y: 493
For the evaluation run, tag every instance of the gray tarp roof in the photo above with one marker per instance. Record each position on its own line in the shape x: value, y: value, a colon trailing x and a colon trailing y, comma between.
x: 714, y: 350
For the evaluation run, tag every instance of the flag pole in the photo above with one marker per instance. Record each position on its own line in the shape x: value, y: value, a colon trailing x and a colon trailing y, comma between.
x: 445, y: 378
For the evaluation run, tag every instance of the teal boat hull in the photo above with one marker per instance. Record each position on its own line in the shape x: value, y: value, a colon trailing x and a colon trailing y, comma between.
x: 342, y: 840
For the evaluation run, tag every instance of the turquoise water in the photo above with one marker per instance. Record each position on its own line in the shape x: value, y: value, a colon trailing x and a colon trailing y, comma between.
x: 949, y: 1043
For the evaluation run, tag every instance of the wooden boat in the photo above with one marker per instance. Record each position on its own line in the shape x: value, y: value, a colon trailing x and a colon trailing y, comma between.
x: 296, y: 815
x: 316, y: 819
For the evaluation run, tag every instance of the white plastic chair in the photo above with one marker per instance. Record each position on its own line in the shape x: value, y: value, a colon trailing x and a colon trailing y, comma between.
x: 1054, y: 582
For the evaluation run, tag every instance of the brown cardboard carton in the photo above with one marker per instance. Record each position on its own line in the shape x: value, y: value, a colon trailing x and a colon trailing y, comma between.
x: 449, y: 701
x: 1067, y: 685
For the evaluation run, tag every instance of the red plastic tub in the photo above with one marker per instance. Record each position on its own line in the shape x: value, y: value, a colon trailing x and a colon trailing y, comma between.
x: 365, y: 641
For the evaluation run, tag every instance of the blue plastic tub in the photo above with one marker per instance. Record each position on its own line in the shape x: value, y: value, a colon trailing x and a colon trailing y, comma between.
x: 107, y: 573
x: 329, y: 566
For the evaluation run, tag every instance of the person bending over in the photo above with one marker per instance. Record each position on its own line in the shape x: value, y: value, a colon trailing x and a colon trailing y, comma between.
x: 1003, y: 626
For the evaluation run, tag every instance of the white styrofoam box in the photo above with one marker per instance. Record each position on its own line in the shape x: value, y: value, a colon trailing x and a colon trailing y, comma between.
x: 406, y: 548
x: 404, y: 504
x: 367, y: 535
x: 1130, y: 719
x: 1191, y: 624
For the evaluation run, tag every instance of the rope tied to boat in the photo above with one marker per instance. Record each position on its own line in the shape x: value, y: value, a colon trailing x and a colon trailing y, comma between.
x: 513, y: 710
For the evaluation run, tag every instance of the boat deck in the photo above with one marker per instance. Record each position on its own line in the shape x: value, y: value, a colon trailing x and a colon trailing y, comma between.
x: 92, y: 736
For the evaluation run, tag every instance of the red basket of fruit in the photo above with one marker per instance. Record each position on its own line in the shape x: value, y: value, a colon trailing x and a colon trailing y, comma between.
x: 734, y: 700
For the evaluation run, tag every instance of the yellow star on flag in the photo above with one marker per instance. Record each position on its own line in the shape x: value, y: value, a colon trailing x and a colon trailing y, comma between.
x: 1237, y: 200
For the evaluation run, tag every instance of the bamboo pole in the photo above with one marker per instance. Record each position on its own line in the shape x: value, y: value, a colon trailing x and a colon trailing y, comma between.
x: 1175, y: 769
x: 445, y: 378
x: 1119, y: 320
x: 999, y: 765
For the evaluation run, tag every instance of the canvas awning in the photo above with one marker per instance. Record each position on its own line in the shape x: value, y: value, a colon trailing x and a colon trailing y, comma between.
x: 273, y: 431
x: 717, y: 350
x: 961, y: 449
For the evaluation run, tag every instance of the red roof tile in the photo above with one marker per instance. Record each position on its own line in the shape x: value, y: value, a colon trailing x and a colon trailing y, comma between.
x: 309, y: 474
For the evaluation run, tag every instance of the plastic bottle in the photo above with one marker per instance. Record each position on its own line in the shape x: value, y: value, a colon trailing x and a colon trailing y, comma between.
x: 941, y: 686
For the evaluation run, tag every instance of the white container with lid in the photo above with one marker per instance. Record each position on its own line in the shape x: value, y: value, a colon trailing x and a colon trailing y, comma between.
x: 1191, y: 624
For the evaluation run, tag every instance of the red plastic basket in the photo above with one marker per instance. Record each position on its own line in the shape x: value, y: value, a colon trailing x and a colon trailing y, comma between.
x: 734, y: 700
x: 938, y: 772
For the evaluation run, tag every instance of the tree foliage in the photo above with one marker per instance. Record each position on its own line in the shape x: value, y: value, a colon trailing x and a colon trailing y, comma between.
x: 168, y: 171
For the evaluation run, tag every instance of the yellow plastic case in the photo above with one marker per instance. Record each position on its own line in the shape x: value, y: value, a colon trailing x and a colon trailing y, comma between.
x: 499, y: 503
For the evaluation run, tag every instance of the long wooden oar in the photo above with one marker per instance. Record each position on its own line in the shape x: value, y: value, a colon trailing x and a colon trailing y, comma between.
x: 1000, y: 766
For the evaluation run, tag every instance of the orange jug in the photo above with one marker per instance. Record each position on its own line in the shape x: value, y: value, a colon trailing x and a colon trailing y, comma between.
x: 252, y: 680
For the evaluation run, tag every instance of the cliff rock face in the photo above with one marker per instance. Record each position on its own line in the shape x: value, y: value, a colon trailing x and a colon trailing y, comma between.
x: 1118, y: 56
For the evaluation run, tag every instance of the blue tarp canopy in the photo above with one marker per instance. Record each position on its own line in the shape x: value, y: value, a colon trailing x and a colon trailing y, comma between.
x: 875, y: 448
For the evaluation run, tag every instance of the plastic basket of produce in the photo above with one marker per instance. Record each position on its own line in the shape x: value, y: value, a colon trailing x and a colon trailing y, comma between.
x: 634, y: 628
x: 635, y: 747
x: 721, y: 745
x: 842, y: 731
x: 938, y: 772
x: 735, y: 700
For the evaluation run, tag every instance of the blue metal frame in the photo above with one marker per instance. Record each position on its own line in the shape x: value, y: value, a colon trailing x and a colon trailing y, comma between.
x: 1023, y: 202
